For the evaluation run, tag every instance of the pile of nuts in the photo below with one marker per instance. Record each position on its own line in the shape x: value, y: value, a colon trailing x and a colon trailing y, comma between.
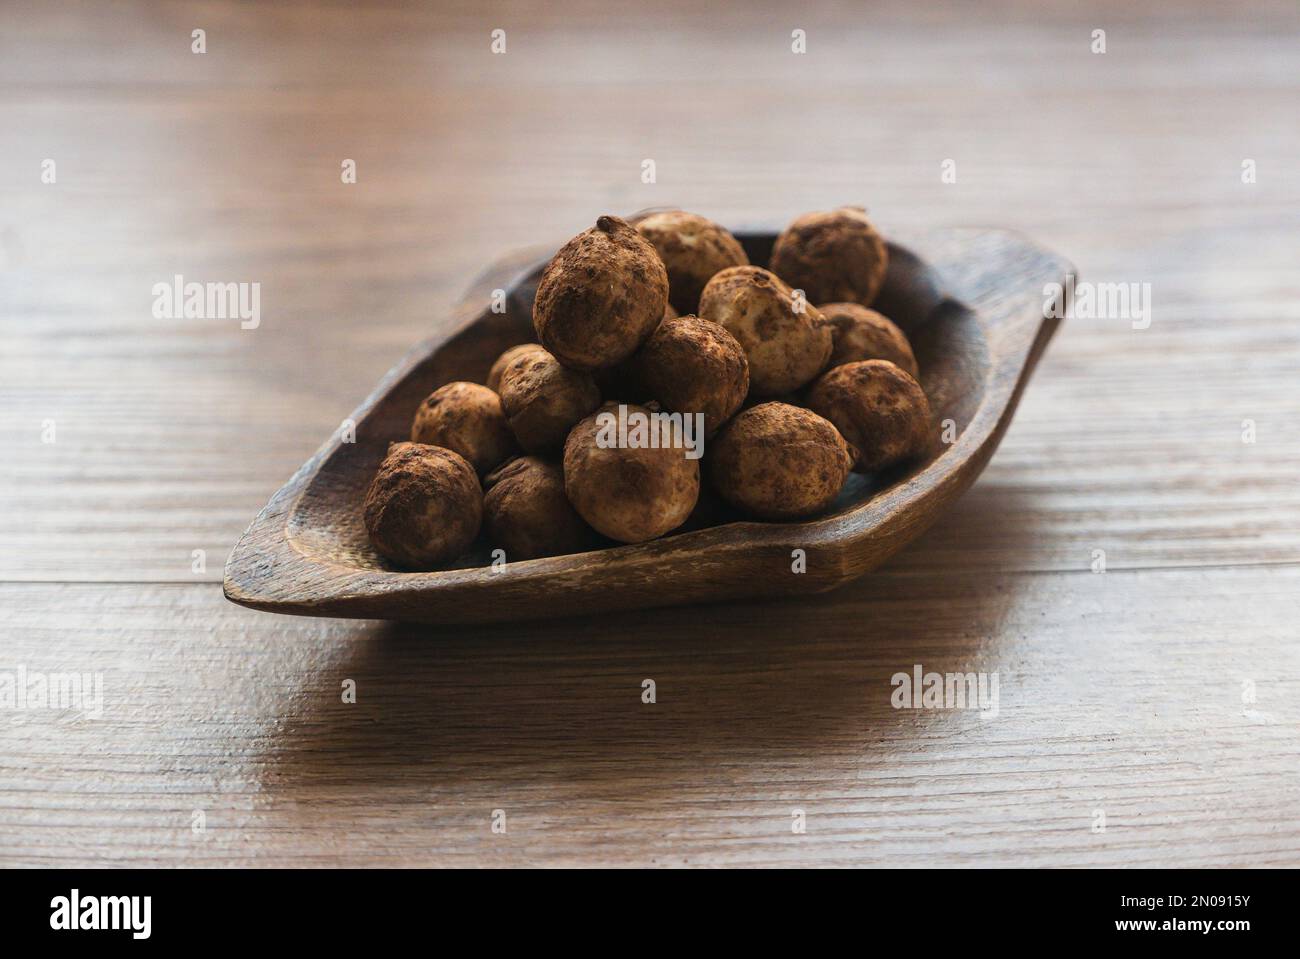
x: 662, y: 315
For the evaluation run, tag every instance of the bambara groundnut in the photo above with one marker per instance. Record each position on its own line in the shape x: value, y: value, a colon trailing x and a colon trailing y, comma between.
x: 499, y: 365
x: 629, y: 494
x: 542, y: 399
x: 527, y: 514
x: 881, y: 411
x: 779, y: 462
x: 424, y: 506
x: 467, y: 419
x: 600, y: 297
x: 833, y: 256
x: 786, y: 340
x: 693, y: 249
x: 863, y: 334
x: 694, y: 366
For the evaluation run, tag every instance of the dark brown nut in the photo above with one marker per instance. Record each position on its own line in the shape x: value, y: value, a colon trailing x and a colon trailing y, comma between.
x: 465, y: 418
x: 833, y: 257
x: 542, y: 399
x: 600, y: 296
x: 502, y: 361
x: 694, y: 366
x: 880, y: 410
x: 693, y: 250
x: 424, y: 506
x: 527, y: 514
x: 628, y: 494
x: 779, y: 462
x: 863, y: 334
x: 786, y: 340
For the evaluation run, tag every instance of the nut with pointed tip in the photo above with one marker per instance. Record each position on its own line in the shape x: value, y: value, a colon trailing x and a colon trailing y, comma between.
x: 424, y: 506
x: 600, y: 297
x: 881, y: 411
x: 835, y: 256
x: 787, y: 341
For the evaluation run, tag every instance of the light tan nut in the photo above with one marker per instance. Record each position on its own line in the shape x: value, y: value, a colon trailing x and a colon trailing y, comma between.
x: 786, y: 340
x: 467, y: 419
x: 630, y: 495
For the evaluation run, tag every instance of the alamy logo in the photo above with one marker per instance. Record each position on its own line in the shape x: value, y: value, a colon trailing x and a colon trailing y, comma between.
x: 1098, y: 301
x: 921, y: 690
x: 29, y: 689
x: 208, y: 301
x: 75, y: 912
x: 637, y: 430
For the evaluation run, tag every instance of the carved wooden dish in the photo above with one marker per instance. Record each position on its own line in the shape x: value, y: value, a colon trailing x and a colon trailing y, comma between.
x: 970, y: 300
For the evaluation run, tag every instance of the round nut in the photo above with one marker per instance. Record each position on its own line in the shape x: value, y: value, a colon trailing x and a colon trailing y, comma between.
x: 880, y: 410
x: 833, y: 257
x: 467, y: 419
x: 693, y: 250
x: 543, y: 399
x: 601, y: 295
x: 779, y: 462
x: 424, y: 506
x: 527, y: 514
x: 629, y: 494
x: 863, y: 334
x: 787, y: 341
x: 693, y: 366
x: 502, y: 361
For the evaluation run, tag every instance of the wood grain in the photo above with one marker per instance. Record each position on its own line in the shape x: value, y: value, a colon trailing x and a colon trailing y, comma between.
x: 1121, y: 691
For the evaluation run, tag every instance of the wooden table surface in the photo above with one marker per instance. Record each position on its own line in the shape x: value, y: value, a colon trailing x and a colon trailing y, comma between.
x: 1162, y: 694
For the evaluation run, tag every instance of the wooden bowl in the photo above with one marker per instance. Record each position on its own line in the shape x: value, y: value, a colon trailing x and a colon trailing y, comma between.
x: 970, y: 300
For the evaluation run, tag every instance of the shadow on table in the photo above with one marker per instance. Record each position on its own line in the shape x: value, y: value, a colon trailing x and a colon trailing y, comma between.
x: 736, y: 684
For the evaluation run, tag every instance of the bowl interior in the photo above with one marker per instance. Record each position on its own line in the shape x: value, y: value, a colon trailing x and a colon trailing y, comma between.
x: 949, y: 343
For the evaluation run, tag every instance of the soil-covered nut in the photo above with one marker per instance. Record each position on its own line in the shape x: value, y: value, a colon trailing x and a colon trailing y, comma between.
x: 693, y: 250
x: 786, y: 340
x: 863, y: 334
x: 880, y: 410
x: 622, y: 381
x: 779, y: 462
x: 499, y: 365
x: 833, y: 257
x: 467, y: 419
x: 424, y: 506
x: 629, y: 494
x: 693, y: 366
x: 600, y: 296
x: 543, y: 399
x: 527, y: 514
